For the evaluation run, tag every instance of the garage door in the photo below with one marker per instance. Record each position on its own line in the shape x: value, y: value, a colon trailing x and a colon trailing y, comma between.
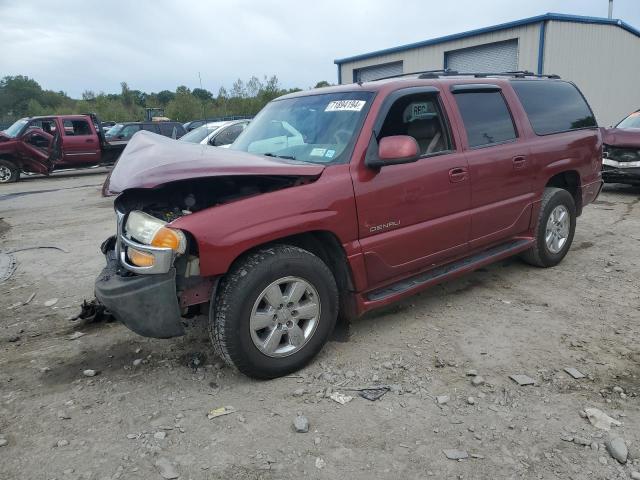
x: 375, y: 72
x: 489, y: 58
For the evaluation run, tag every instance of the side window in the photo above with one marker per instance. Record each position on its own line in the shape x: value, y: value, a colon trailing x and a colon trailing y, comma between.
x: 419, y: 116
x: 150, y: 127
x: 128, y: 131
x: 486, y: 118
x: 76, y: 127
x: 553, y: 106
x: 172, y: 130
x: 228, y: 135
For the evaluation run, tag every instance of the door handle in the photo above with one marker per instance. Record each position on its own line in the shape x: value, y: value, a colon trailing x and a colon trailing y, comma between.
x: 89, y: 140
x: 458, y: 174
x: 519, y: 162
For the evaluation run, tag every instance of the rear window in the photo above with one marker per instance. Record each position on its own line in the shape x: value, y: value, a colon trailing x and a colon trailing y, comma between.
x: 486, y: 118
x: 553, y: 106
x: 76, y: 127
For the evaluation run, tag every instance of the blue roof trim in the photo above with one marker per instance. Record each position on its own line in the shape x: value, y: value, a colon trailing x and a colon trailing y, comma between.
x: 559, y: 17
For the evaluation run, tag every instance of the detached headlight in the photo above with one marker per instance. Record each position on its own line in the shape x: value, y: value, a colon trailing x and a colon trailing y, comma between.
x: 152, y: 231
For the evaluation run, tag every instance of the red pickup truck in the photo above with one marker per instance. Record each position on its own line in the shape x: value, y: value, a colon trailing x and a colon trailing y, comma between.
x: 340, y: 200
x: 44, y: 144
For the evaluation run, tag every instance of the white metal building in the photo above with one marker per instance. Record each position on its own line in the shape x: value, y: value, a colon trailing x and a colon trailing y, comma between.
x: 602, y: 56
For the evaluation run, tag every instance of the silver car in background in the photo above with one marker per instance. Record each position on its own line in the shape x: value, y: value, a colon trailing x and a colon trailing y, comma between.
x: 216, y: 134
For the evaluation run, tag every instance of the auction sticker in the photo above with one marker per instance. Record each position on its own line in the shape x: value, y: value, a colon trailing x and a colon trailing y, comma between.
x: 318, y: 152
x: 345, y: 105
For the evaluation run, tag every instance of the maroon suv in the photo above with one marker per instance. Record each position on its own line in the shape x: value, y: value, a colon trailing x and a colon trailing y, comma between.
x: 340, y: 200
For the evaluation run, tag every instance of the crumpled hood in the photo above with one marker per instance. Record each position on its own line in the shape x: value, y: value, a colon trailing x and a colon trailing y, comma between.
x: 150, y: 160
x: 622, y: 137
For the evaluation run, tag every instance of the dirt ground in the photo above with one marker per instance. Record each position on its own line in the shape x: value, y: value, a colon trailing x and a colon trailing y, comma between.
x: 142, y: 419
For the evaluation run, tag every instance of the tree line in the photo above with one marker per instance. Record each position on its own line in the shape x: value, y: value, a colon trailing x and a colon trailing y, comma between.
x: 21, y: 96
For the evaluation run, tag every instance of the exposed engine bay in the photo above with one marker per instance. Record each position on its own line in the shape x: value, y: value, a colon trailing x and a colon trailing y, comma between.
x: 176, y: 199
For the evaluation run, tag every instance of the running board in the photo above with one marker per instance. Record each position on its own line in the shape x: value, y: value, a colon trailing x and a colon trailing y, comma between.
x: 441, y: 273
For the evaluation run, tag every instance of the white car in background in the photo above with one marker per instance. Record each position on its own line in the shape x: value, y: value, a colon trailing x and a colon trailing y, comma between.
x: 217, y: 134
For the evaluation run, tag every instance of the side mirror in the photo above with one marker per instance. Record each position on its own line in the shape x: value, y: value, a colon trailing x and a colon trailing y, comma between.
x: 395, y: 150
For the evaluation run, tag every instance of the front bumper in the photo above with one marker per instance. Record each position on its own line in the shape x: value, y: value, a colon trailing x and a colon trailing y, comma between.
x: 146, y: 304
x: 620, y: 172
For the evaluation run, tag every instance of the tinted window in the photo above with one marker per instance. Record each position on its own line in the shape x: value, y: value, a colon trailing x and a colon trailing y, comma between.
x: 553, y: 106
x: 76, y: 127
x: 150, y: 127
x: 418, y: 116
x: 486, y: 118
x: 173, y: 130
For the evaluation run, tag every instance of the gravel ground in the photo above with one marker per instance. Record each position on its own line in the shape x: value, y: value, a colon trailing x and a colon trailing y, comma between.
x: 144, y: 414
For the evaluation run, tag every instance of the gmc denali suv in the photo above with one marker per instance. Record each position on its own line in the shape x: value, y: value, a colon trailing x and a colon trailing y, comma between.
x: 340, y: 200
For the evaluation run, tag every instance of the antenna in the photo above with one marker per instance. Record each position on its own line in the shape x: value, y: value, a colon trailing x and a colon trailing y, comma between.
x: 203, y: 112
x: 610, y: 9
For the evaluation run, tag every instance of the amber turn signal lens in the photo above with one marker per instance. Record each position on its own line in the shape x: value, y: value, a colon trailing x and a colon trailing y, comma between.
x: 140, y: 259
x: 168, y: 238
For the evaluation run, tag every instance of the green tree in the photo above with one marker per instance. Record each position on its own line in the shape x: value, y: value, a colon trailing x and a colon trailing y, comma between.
x: 165, y: 96
x: 184, y: 106
x: 202, y: 94
x: 322, y: 83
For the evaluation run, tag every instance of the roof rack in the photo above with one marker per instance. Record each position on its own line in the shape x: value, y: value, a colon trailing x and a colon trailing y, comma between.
x: 454, y: 73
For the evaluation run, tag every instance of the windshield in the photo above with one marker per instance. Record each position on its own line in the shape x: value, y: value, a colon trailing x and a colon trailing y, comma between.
x: 197, y: 134
x: 632, y: 121
x: 14, y: 129
x: 315, y: 128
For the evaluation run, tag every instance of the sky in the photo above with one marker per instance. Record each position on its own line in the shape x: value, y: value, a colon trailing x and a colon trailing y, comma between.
x: 155, y: 45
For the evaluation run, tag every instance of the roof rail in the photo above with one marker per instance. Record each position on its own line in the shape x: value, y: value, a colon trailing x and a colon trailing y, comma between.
x: 422, y: 74
x: 454, y: 73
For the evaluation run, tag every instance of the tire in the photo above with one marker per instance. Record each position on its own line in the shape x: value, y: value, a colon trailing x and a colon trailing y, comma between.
x: 247, y: 298
x: 543, y: 254
x: 9, y: 172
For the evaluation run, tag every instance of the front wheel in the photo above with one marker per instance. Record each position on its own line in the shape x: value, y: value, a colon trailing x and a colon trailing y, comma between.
x: 555, y: 229
x: 9, y: 172
x: 273, y: 311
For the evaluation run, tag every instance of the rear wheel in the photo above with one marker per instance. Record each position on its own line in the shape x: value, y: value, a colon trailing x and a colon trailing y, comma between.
x: 273, y: 311
x: 9, y: 172
x: 555, y: 229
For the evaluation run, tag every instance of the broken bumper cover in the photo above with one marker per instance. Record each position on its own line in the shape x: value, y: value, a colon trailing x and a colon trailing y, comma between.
x: 146, y: 304
x: 622, y: 172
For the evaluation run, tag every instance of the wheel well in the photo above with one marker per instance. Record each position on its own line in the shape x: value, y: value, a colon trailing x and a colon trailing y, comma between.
x: 10, y: 158
x: 569, y: 181
x: 328, y: 248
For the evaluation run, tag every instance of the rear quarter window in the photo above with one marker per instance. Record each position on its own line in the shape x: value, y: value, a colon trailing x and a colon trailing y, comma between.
x: 553, y: 106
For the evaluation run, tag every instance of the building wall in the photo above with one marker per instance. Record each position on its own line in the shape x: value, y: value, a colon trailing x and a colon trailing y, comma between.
x: 603, y: 60
x: 432, y: 57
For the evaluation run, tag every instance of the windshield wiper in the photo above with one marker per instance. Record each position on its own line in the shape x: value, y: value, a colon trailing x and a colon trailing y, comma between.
x: 288, y: 157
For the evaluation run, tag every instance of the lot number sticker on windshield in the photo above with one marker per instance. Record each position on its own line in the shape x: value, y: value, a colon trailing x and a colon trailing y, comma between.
x: 345, y: 105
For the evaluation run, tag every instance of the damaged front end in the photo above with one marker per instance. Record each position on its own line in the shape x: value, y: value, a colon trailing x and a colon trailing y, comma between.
x: 621, y: 164
x: 152, y: 278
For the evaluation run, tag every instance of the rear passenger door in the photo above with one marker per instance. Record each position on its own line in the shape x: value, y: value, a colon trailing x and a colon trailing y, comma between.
x: 499, y: 162
x: 80, y: 143
x: 413, y: 216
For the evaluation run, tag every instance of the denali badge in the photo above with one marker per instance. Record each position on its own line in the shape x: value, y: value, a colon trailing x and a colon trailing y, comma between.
x: 385, y: 226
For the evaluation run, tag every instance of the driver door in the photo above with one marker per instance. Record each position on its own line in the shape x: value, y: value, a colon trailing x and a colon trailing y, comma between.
x: 413, y: 216
x: 37, y: 147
